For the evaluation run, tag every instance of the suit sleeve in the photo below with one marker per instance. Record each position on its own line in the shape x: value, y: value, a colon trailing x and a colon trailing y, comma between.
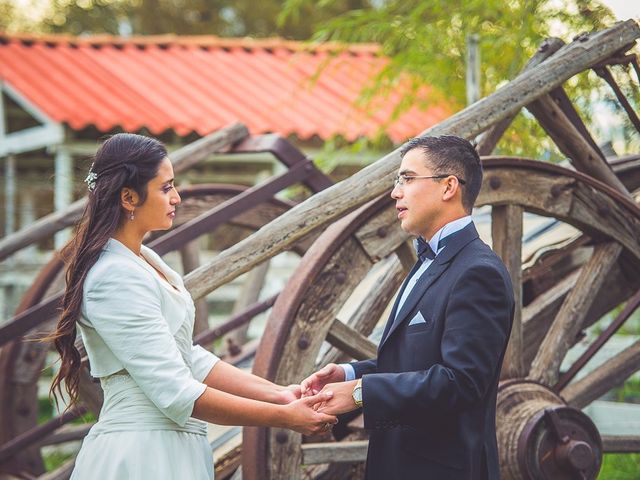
x: 128, y: 316
x: 477, y: 325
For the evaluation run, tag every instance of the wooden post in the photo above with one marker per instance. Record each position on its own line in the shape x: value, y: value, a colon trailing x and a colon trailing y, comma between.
x: 190, y: 255
x: 9, y: 194
x: 62, y: 189
x: 506, y: 232
x: 473, y: 68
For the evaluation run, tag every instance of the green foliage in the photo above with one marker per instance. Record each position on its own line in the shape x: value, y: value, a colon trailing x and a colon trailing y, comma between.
x: 228, y: 18
x: 55, y: 459
x: 426, y: 41
x: 620, y: 467
x: 629, y: 392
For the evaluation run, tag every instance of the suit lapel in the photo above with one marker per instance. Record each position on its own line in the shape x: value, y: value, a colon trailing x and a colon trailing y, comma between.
x: 433, y: 272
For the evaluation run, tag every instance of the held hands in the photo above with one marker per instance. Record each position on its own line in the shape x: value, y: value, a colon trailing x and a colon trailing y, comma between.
x: 340, y: 398
x: 288, y: 394
x: 315, y: 382
x: 301, y: 415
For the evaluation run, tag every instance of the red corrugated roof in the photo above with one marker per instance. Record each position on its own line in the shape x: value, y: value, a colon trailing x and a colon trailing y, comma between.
x: 200, y: 84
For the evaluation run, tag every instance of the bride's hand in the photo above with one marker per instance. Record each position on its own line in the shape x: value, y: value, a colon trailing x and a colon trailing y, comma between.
x: 303, y: 418
x: 288, y: 394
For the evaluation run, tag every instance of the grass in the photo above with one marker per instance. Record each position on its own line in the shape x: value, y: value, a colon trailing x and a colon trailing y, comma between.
x: 620, y: 466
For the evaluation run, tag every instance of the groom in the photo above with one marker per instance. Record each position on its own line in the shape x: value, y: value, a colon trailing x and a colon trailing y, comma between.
x: 429, y: 398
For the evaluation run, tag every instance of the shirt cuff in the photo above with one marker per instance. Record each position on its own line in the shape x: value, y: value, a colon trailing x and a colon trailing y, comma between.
x: 349, y: 372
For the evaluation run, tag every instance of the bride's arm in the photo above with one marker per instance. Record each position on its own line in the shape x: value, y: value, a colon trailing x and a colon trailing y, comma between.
x: 227, y: 378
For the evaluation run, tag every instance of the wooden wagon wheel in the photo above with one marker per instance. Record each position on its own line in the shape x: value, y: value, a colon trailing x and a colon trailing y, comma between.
x: 23, y: 359
x: 538, y: 413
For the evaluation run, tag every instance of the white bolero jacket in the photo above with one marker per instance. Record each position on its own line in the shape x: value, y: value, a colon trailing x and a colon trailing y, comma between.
x: 133, y: 320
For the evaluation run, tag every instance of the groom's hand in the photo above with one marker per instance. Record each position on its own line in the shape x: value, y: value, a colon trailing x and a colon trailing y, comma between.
x: 340, y: 398
x: 331, y: 373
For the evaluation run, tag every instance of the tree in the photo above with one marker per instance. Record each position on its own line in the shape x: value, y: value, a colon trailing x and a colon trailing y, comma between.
x: 425, y: 41
x: 227, y: 18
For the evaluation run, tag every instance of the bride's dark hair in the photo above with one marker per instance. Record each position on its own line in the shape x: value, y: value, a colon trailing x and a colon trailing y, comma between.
x: 123, y: 160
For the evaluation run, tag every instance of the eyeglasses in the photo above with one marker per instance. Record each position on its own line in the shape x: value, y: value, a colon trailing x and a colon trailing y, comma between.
x: 403, y: 179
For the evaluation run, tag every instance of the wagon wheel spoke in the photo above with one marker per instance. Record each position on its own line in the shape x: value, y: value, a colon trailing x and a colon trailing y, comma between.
x: 570, y: 318
x: 350, y: 341
x: 615, y: 371
x: 632, y: 305
x: 506, y: 234
x: 366, y: 316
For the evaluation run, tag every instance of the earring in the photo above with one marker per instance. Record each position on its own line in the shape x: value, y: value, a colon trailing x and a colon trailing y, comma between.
x: 131, y: 217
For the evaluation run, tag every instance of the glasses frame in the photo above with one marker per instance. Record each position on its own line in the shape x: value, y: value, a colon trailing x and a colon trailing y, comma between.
x: 401, y: 179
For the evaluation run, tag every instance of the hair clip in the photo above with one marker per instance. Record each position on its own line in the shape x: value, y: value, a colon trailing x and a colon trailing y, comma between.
x: 91, y: 179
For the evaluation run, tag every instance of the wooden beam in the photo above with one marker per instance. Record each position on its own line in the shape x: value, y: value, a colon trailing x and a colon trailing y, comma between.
x: 46, y: 226
x: 32, y: 138
x: 572, y: 143
x: 599, y: 381
x: 506, y: 234
x: 570, y: 319
x: 621, y: 443
x: 354, y: 451
x: 375, y: 179
x: 351, y: 341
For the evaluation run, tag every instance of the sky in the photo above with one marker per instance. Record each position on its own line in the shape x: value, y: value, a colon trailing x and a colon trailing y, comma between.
x: 624, y: 9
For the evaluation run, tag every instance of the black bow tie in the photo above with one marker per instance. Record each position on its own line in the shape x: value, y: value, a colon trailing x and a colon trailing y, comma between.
x: 424, y: 250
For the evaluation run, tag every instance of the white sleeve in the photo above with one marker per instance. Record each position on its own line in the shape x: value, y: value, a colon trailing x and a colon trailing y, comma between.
x: 202, y: 361
x: 127, y: 314
x: 349, y: 372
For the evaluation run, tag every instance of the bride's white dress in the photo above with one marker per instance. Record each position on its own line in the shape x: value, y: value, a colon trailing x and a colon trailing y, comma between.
x: 137, y: 330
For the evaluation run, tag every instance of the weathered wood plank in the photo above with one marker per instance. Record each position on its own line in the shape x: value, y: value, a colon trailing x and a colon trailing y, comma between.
x: 182, y: 159
x: 407, y: 256
x: 382, y: 234
x: 621, y: 443
x: 350, y: 193
x: 365, y: 318
x: 313, y: 319
x: 572, y: 143
x: 190, y: 256
x: 570, y: 319
x: 351, y: 341
x: 63, y: 472
x: 506, y: 235
x: 613, y: 372
x: 354, y: 451
x: 572, y: 200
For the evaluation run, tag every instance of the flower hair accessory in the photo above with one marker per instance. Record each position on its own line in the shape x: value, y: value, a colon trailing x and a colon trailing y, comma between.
x: 91, y: 179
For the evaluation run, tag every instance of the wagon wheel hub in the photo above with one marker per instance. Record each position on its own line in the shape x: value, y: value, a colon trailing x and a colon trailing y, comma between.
x: 552, y: 440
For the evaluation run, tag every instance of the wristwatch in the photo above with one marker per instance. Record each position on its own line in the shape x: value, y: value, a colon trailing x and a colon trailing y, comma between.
x: 357, y: 394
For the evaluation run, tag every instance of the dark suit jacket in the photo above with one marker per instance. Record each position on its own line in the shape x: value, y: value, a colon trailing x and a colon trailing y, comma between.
x: 430, y: 396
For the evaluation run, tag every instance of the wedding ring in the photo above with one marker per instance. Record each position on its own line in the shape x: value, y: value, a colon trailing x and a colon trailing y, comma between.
x: 327, y: 426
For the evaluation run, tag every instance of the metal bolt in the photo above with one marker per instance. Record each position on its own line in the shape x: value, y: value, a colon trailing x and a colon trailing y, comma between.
x: 303, y: 342
x: 282, y: 437
x: 341, y: 277
x: 576, y: 455
x: 495, y: 183
x: 382, y: 232
x: 556, y: 190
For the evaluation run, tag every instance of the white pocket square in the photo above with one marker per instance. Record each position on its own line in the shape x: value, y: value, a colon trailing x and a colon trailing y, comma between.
x: 417, y: 319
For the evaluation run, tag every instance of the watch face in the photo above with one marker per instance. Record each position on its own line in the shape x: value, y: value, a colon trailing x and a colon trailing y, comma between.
x: 357, y: 394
